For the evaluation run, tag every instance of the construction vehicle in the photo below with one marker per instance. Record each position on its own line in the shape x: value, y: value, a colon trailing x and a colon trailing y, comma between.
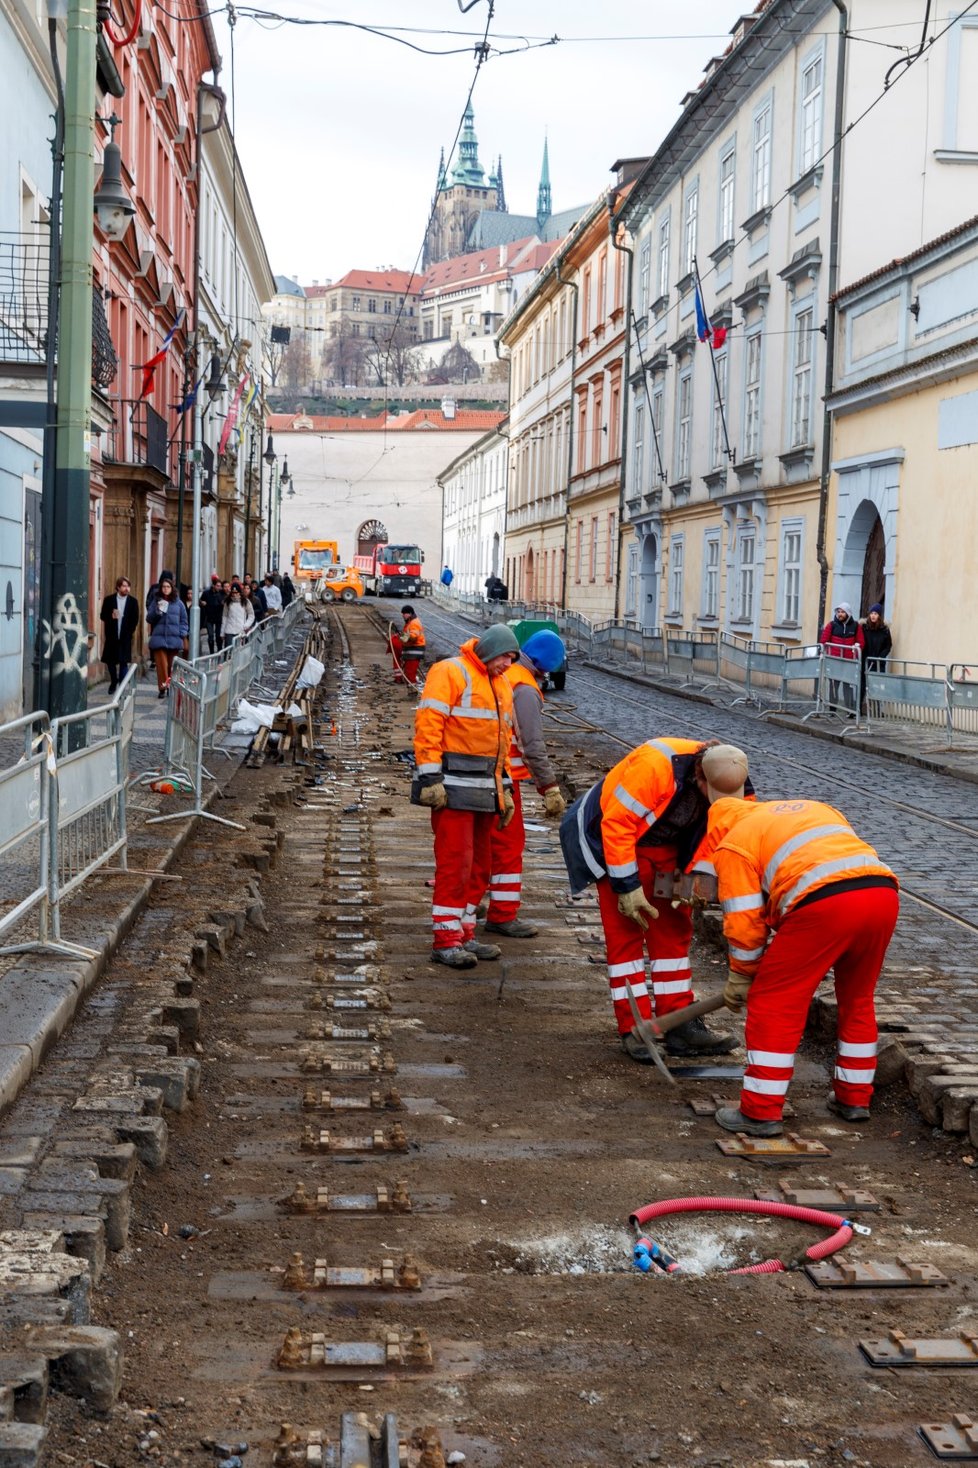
x: 310, y: 558
x: 391, y: 570
x: 523, y: 630
x: 340, y: 583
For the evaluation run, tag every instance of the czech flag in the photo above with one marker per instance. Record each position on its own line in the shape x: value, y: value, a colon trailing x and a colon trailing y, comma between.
x: 715, y: 335
x: 148, y: 369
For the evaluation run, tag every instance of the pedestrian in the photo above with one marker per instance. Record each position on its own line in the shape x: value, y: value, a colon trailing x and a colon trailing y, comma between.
x: 796, y: 869
x: 120, y: 618
x: 842, y: 638
x: 877, y: 645
x: 645, y: 818
x: 273, y: 596
x: 238, y: 616
x: 288, y: 590
x: 462, y: 732
x: 447, y: 576
x: 212, y: 608
x: 256, y: 597
x: 542, y: 653
x: 496, y: 590
x: 169, y: 630
x: 407, y: 647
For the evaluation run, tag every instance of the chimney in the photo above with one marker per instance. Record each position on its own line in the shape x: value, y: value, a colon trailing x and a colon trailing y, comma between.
x: 448, y: 408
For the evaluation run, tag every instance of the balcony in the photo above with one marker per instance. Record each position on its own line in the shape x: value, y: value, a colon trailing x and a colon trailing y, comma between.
x: 138, y: 436
x: 24, y: 275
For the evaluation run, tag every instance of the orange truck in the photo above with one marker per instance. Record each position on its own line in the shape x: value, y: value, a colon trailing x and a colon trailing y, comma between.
x: 311, y: 559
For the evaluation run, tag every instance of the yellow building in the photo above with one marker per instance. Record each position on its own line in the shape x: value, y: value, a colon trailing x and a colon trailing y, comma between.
x: 903, y: 512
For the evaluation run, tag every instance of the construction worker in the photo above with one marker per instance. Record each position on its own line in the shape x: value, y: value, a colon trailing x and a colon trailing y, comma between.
x: 797, y: 870
x: 407, y: 647
x: 648, y: 816
x: 542, y: 653
x: 463, y: 728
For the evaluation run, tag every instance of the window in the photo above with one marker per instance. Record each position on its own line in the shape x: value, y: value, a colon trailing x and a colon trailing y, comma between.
x: 801, y: 386
x: 597, y: 427
x: 811, y: 114
x: 791, y: 572
x: 388, y: 308
x: 677, y: 555
x: 592, y: 559
x: 745, y: 574
x: 609, y: 568
x: 586, y: 302
x: 719, y: 405
x: 644, y: 276
x: 711, y: 574
x: 728, y: 169
x: 684, y: 416
x: 690, y: 211
x: 761, y: 161
x: 355, y: 303
x: 631, y: 581
x: 579, y: 552
x: 638, y: 448
x: 372, y: 304
x: 581, y: 435
x: 662, y: 283
x: 752, y: 398
x: 601, y: 303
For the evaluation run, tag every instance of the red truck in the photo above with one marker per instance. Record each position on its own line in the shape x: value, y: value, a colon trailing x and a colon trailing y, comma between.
x: 392, y: 570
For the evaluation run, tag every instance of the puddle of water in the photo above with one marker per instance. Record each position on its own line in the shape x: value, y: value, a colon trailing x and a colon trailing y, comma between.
x: 608, y: 1250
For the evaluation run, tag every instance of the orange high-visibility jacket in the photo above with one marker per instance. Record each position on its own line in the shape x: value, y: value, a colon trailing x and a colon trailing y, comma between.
x: 412, y: 635
x: 634, y: 793
x: 515, y: 675
x: 780, y: 852
x: 465, y: 712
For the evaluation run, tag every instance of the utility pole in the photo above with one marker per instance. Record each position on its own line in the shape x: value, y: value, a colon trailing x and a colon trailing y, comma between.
x: 64, y: 597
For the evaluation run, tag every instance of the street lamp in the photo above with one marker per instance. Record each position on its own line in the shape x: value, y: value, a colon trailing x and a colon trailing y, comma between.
x: 112, y: 204
x: 270, y: 457
x: 215, y: 385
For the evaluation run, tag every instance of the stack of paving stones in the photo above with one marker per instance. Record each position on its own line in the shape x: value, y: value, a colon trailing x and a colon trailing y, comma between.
x: 72, y: 1144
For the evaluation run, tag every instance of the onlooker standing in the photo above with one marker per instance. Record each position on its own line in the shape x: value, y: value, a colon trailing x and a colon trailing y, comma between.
x: 238, y: 618
x: 842, y: 638
x: 273, y: 597
x: 288, y: 590
x: 878, y: 645
x: 119, y: 617
x: 170, y: 630
x: 212, y: 606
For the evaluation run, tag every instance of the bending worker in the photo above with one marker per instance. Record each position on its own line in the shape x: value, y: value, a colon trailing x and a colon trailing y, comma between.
x: 462, y: 732
x: 796, y: 869
x: 542, y: 653
x: 648, y: 816
x: 407, y: 647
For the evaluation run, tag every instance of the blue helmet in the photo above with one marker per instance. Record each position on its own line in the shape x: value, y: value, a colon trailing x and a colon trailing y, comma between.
x: 546, y: 651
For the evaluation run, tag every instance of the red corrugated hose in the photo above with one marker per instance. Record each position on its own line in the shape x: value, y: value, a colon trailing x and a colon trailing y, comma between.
x: 844, y: 1229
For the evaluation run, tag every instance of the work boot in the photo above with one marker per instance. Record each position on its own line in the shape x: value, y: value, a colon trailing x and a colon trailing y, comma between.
x: 482, y: 909
x: 453, y: 957
x: 693, y: 1038
x: 485, y: 951
x: 635, y: 1047
x: 515, y: 928
x: 848, y: 1113
x: 732, y: 1119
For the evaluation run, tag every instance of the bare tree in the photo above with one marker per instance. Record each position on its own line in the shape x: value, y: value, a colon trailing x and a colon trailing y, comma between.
x: 296, y: 363
x: 274, y: 357
x: 393, y: 357
x: 458, y: 365
x: 346, y: 357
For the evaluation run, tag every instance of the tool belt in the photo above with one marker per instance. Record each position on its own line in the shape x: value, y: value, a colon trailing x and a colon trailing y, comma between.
x: 469, y: 780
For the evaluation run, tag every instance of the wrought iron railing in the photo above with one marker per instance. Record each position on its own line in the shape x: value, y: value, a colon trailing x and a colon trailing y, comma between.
x: 25, y: 336
x: 138, y: 436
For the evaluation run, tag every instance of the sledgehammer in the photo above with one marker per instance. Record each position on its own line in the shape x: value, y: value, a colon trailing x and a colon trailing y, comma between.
x: 653, y: 1029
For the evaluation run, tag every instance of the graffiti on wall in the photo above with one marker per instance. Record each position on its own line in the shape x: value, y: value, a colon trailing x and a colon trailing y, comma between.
x: 64, y: 641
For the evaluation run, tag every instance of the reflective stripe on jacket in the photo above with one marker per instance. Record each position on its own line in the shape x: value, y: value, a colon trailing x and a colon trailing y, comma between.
x: 519, y: 676
x: 462, y: 711
x: 412, y: 635
x: 777, y: 854
x: 600, y: 831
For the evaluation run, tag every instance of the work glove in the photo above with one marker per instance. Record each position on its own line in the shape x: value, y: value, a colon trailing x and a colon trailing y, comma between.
x: 554, y: 803
x: 635, y: 905
x: 434, y: 796
x: 736, y: 989
x: 508, y: 811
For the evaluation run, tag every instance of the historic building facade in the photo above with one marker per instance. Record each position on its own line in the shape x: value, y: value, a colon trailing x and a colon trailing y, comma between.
x: 474, y: 512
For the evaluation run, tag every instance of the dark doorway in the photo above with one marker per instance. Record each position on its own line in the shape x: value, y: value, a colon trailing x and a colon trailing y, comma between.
x: 874, y: 569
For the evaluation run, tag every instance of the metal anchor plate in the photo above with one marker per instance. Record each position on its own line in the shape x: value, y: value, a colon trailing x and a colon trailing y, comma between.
x: 383, y: 1200
x: 837, y: 1199
x: 324, y: 1276
x: 315, y: 1064
x: 372, y: 1101
x: 956, y: 1440
x: 790, y: 1145
x: 361, y: 1445
x: 373, y: 1031
x: 849, y: 1274
x: 901, y: 1350
x: 396, y: 1350
x: 324, y: 1141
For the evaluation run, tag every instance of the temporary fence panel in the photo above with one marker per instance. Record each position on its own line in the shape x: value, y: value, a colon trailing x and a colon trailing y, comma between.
x: 679, y: 655
x: 25, y: 831
x: 962, y: 698
x: 907, y: 692
x: 840, y: 683
x: 800, y: 679
x: 653, y: 649
x: 766, y: 665
x: 733, y: 663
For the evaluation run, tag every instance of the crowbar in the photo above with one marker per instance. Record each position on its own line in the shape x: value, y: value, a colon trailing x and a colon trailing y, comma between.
x: 653, y: 1029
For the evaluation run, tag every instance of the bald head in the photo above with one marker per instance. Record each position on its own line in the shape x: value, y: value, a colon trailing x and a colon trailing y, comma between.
x: 724, y: 769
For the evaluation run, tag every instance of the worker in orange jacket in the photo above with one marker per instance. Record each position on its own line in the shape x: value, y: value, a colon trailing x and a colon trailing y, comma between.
x: 463, y: 727
x: 796, y: 869
x: 542, y: 653
x: 648, y: 816
x: 407, y: 647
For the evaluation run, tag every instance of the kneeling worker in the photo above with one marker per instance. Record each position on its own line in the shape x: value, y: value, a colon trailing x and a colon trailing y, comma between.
x: 462, y: 732
x: 796, y: 869
x: 646, y: 817
x: 542, y: 653
x: 407, y: 647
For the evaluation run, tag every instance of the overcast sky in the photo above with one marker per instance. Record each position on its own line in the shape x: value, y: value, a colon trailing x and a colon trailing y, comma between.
x: 339, y: 130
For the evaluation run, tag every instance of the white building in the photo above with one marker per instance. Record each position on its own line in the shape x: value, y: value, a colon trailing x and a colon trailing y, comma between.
x: 474, y: 511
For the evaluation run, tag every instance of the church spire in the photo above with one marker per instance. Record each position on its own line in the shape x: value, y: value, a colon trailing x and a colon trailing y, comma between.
x: 500, y: 191
x: 468, y: 169
x: 543, y: 192
x: 441, y: 173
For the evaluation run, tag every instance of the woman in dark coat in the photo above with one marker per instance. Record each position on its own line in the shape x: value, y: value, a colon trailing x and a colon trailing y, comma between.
x: 879, y: 644
x: 120, y: 618
x: 170, y: 629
